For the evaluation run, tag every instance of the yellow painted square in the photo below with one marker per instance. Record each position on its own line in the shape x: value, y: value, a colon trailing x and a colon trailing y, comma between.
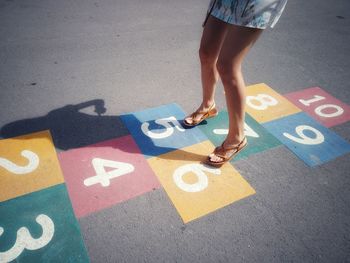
x: 221, y: 189
x: 263, y: 108
x: 27, y: 164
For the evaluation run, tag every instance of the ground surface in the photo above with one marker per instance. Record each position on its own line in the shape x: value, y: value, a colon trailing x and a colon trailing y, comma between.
x: 135, y: 54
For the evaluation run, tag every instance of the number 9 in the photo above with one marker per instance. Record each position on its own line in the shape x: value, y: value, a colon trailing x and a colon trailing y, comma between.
x: 318, y: 139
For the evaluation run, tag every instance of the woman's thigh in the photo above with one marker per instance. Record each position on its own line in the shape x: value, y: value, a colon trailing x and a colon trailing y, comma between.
x: 237, y: 42
x: 213, y: 36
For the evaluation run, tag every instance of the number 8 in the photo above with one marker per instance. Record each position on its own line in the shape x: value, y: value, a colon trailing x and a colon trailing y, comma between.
x: 264, y: 99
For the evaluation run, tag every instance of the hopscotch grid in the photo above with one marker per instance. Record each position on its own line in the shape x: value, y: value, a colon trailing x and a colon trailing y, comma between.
x: 173, y: 126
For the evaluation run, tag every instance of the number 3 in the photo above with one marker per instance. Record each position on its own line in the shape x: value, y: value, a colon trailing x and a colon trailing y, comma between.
x: 26, y: 241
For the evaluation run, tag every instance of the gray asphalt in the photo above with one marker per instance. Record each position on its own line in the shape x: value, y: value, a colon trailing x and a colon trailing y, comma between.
x: 135, y: 54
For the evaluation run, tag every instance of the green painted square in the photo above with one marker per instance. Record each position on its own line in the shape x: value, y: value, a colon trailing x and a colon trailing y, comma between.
x: 40, y: 227
x: 259, y: 139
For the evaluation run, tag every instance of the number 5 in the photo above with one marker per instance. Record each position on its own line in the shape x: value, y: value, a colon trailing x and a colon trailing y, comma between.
x: 164, y: 122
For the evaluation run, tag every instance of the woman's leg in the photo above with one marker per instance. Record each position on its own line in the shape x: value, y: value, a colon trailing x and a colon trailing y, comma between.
x: 236, y: 45
x: 212, y: 38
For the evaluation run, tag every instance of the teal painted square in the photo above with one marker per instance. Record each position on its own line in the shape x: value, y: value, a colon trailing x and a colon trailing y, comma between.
x: 165, y: 131
x: 62, y: 242
x: 308, y: 139
x: 259, y: 139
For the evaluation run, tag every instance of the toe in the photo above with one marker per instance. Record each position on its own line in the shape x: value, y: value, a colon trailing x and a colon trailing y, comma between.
x: 215, y: 158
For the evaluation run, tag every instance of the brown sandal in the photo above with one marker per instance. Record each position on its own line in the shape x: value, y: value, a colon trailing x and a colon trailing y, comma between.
x: 211, y: 112
x: 226, y: 153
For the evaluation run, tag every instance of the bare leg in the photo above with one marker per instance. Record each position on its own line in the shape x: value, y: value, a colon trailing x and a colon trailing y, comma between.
x: 237, y: 43
x: 211, y: 42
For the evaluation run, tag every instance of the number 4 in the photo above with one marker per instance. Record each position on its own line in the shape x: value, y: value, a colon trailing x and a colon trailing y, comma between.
x: 104, y: 177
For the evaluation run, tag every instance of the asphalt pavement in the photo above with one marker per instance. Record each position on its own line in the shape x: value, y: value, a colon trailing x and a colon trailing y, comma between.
x: 130, y: 55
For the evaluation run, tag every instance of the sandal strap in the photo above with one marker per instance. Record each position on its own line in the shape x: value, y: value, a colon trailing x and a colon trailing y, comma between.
x: 204, y: 114
x: 226, y: 152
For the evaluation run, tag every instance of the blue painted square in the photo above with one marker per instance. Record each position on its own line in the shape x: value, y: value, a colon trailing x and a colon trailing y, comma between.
x: 40, y: 227
x: 159, y: 130
x: 323, y: 145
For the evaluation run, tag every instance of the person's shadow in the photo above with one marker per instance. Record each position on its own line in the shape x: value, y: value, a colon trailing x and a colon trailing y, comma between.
x: 69, y: 127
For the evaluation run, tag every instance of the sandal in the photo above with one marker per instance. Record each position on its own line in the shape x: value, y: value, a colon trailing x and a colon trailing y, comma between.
x: 211, y: 112
x: 226, y: 153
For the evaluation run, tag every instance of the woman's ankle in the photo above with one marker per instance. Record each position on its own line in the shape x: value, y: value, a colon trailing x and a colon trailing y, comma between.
x: 232, y: 140
x: 206, y: 104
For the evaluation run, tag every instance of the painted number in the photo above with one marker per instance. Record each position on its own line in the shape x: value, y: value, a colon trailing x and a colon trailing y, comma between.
x: 248, y: 131
x: 320, y: 110
x: 303, y: 139
x: 264, y: 101
x: 102, y: 177
x: 314, y: 99
x: 199, y: 170
x: 16, y: 169
x: 169, y: 130
x: 24, y: 239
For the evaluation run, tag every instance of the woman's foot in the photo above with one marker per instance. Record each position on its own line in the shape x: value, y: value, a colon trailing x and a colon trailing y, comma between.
x: 225, y: 152
x: 200, y: 115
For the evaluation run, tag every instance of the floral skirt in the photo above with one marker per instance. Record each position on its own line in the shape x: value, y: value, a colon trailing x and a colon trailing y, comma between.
x: 250, y: 13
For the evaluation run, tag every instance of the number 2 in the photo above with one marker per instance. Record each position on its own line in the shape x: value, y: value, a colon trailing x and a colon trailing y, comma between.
x: 16, y: 169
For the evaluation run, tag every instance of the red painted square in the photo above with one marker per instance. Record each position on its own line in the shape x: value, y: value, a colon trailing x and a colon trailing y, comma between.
x: 321, y: 106
x: 123, y: 174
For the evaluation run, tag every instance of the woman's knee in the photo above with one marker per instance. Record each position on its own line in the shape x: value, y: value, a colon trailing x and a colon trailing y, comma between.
x: 228, y: 70
x: 207, y: 56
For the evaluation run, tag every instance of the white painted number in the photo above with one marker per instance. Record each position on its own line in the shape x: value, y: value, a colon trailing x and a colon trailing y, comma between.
x: 169, y: 130
x: 199, y: 170
x: 248, y: 131
x: 264, y: 101
x: 338, y: 110
x: 318, y: 138
x: 314, y: 99
x: 320, y: 109
x: 16, y: 169
x: 220, y: 131
x: 24, y: 239
x: 104, y: 177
